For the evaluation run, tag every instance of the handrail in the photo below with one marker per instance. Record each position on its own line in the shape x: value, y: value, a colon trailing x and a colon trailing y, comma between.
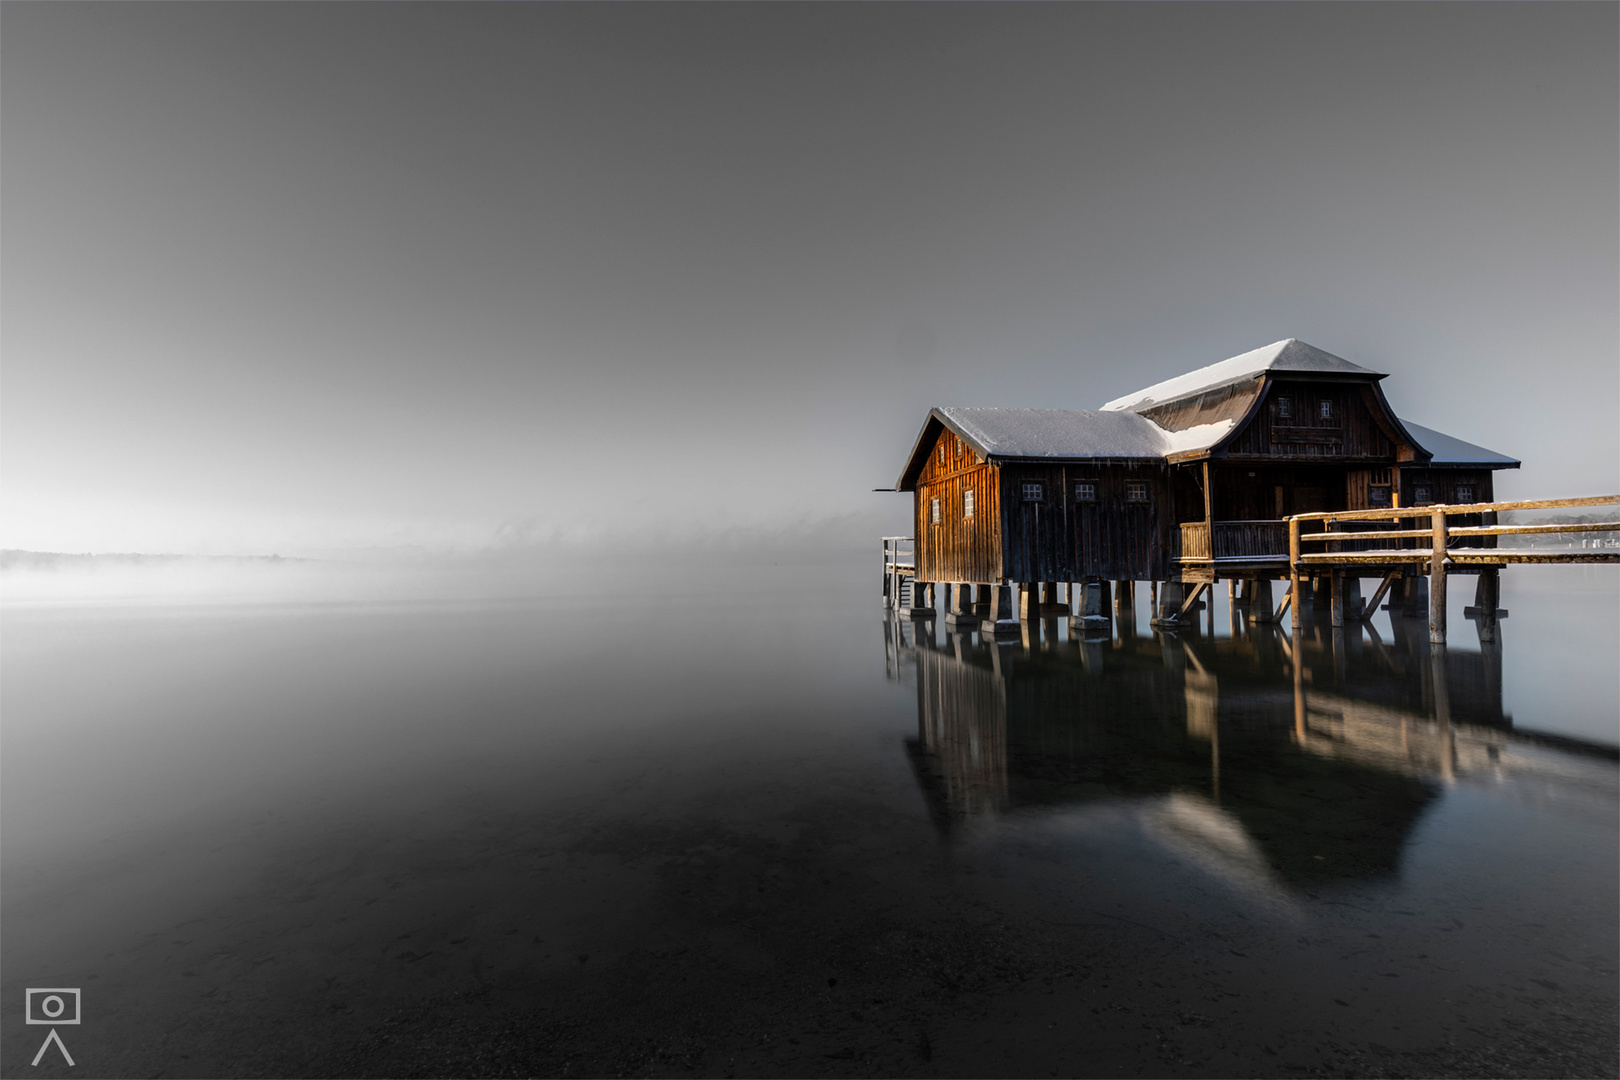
x: 1451, y: 508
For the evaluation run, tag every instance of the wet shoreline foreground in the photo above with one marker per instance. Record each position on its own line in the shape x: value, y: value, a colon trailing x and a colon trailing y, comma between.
x: 767, y: 856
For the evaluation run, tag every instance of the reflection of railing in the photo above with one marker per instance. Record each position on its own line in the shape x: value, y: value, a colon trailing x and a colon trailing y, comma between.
x: 1440, y: 545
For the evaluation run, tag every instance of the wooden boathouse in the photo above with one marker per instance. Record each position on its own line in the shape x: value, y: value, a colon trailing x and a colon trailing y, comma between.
x: 1187, y: 482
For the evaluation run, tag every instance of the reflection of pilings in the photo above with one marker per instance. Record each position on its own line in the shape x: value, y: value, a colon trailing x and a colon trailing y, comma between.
x: 1299, y: 690
x: 1442, y: 711
x: 962, y: 721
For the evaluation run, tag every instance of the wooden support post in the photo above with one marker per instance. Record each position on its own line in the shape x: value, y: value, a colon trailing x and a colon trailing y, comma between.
x: 922, y: 599
x: 1336, y: 597
x: 1124, y: 601
x: 1260, y: 610
x: 1437, y: 580
x: 1293, y: 573
x: 1093, y: 614
x: 1168, y: 607
x: 1125, y: 609
x: 1004, y: 612
x: 1487, y: 596
x: 962, y: 615
x: 1029, y: 601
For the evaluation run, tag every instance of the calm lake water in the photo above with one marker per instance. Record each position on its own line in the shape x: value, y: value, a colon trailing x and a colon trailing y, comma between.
x: 746, y: 823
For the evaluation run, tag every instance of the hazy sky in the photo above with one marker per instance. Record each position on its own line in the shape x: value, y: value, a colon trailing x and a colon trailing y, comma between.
x: 286, y: 276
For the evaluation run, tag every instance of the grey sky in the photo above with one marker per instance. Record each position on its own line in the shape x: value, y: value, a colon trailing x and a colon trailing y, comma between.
x: 302, y: 275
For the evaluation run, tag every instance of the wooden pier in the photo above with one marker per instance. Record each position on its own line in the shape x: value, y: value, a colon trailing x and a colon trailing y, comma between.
x: 1395, y: 554
x: 1328, y: 553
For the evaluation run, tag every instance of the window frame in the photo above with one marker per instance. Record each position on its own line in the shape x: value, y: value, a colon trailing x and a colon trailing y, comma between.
x: 1136, y: 491
x: 1324, y: 409
x: 967, y: 504
x: 1285, y: 407
x: 1091, y: 498
x: 1037, y: 486
x: 934, y: 511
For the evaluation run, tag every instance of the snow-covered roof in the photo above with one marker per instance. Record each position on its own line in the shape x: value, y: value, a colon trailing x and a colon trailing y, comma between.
x: 1065, y: 435
x: 1451, y: 451
x: 1291, y: 355
x: 1057, y: 433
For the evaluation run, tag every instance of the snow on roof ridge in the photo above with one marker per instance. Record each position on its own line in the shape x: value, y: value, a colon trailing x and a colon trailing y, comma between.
x: 1300, y: 356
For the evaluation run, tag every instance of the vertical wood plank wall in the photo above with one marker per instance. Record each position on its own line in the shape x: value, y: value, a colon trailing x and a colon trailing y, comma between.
x: 1058, y: 538
x: 959, y: 548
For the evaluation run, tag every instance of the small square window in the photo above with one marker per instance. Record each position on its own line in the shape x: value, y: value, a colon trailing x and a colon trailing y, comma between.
x: 967, y: 504
x: 1136, y: 491
x: 1465, y: 493
x: 1378, y: 495
x: 1285, y: 408
x: 1324, y: 409
x: 1034, y: 492
x: 934, y: 512
x: 1421, y: 495
x: 1085, y: 491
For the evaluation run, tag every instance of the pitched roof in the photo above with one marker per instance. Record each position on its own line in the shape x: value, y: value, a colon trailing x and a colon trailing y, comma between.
x: 1056, y: 433
x: 1451, y: 451
x: 1290, y: 355
x: 1060, y: 435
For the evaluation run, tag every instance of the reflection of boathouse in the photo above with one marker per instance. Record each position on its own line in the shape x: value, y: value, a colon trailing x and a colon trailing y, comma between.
x: 1320, y: 769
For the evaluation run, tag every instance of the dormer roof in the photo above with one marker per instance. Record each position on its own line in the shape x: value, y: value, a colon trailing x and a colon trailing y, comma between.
x: 1290, y: 356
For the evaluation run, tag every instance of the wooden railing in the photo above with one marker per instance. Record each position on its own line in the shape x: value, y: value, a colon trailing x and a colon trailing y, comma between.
x: 1251, y: 539
x: 1234, y: 540
x: 1439, y: 545
x: 1195, y: 540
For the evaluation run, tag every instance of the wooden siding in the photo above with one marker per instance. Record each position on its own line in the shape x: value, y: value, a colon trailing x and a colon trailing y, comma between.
x: 959, y: 548
x: 1058, y: 538
x: 1353, y: 433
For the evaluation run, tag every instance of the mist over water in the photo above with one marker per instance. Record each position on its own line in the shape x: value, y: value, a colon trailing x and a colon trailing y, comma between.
x: 689, y: 818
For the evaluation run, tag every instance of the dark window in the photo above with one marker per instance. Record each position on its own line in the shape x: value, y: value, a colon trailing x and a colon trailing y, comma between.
x: 1378, y: 495
x: 1421, y: 494
x: 967, y: 504
x: 1136, y: 491
x: 1465, y: 493
x: 1034, y: 492
x: 1285, y: 408
x: 1085, y: 491
x: 1324, y: 409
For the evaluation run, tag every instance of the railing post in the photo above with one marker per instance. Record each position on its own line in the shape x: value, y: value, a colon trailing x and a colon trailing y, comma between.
x: 1295, y: 604
x: 1437, y: 580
